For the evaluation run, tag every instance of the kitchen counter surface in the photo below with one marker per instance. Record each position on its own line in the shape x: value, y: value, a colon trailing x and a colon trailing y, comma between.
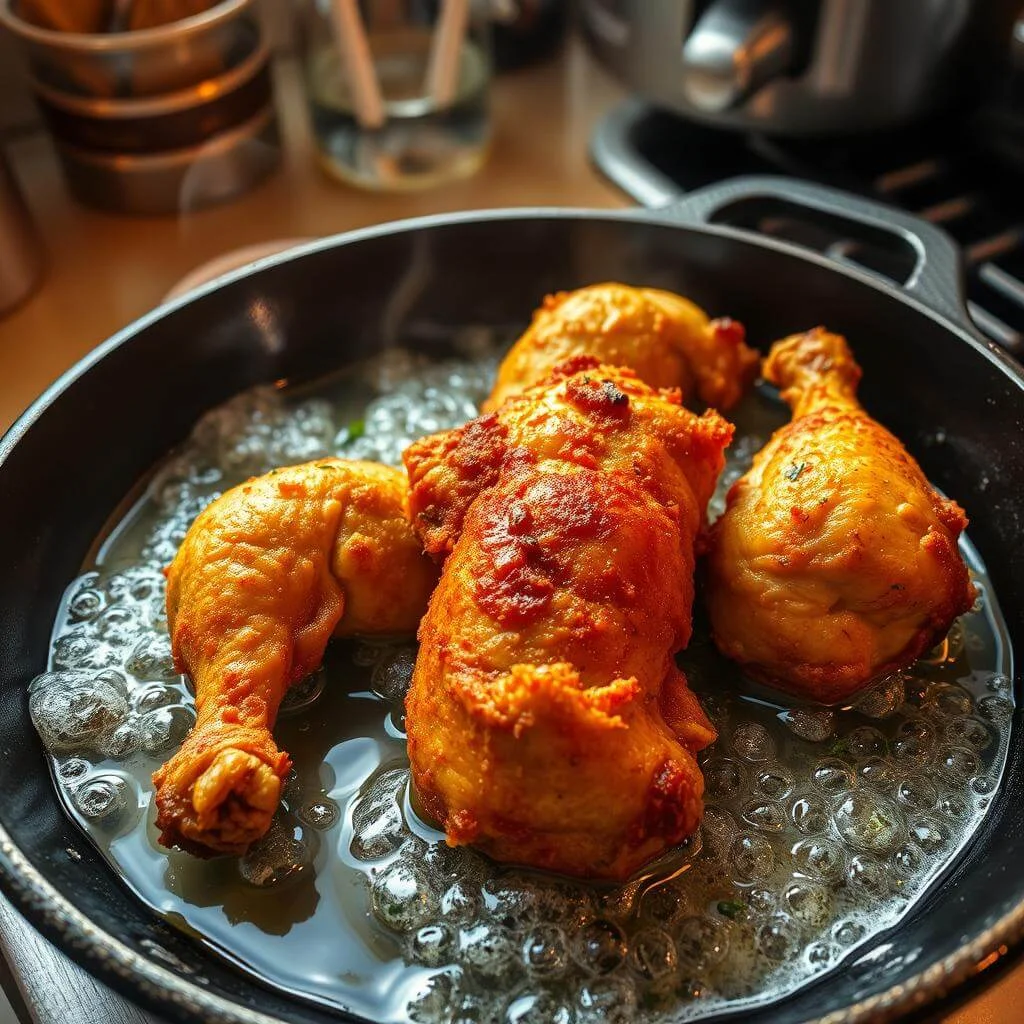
x: 104, y: 271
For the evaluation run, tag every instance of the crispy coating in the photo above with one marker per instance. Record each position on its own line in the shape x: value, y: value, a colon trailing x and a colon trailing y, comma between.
x: 835, y: 561
x: 665, y: 339
x: 265, y: 576
x: 547, y: 721
x: 587, y: 414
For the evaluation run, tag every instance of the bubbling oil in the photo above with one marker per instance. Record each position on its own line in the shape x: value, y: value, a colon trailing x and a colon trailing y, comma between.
x: 822, y: 826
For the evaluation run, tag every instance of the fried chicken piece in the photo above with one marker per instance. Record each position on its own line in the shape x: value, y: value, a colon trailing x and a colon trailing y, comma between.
x: 265, y: 576
x: 835, y: 561
x: 664, y: 338
x: 547, y: 721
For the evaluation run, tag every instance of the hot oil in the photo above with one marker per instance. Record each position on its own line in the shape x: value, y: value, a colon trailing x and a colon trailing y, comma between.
x: 822, y: 827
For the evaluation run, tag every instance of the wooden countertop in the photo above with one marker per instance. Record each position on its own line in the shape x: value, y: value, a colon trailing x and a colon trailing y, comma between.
x: 104, y: 271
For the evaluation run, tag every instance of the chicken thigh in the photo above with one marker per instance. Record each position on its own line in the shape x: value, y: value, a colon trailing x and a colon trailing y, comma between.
x: 835, y: 561
x: 265, y: 576
x: 665, y: 339
x: 547, y: 721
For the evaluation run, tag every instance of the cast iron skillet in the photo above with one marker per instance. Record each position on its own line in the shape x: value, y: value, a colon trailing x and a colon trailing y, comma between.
x: 71, y: 458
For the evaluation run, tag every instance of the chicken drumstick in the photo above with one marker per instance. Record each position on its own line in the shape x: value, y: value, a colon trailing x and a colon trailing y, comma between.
x: 265, y: 576
x: 835, y: 560
x: 665, y: 339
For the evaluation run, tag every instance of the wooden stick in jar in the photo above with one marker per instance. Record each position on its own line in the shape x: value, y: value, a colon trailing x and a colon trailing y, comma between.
x: 446, y: 52
x: 357, y: 61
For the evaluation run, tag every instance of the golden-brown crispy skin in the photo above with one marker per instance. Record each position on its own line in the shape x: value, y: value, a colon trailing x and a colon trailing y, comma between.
x: 547, y: 721
x: 835, y: 561
x: 585, y: 413
x: 665, y: 339
x: 265, y: 576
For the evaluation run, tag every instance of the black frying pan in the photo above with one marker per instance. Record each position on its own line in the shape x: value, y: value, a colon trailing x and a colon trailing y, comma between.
x: 74, y: 455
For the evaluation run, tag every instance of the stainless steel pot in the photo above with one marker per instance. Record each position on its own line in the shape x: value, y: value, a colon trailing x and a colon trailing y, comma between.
x: 794, y: 67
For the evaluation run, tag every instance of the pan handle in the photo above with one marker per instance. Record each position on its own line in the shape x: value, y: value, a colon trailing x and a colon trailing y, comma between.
x: 937, y: 277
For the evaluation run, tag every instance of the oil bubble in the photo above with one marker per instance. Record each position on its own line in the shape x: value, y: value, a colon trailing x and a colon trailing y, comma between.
x: 393, y: 673
x: 866, y: 741
x: 73, y: 711
x: 279, y: 856
x: 609, y: 1000
x: 110, y: 800
x: 765, y: 816
x: 775, y: 782
x: 752, y: 742
x: 877, y: 772
x: 79, y: 650
x: 86, y: 604
x: 432, y: 946
x: 152, y: 659
x: 751, y: 857
x: 538, y: 1008
x: 958, y: 763
x: 400, y: 897
x: 810, y: 814
x: 434, y: 1001
x: 723, y: 778
x: 600, y: 947
x: 701, y: 941
x: 304, y: 694
x: 544, y: 952
x: 969, y: 732
x: 778, y: 938
x: 846, y: 933
x: 819, y: 858
x: 488, y: 951
x: 460, y: 902
x: 917, y: 792
x: 814, y: 725
x: 152, y: 696
x: 884, y: 698
x: 319, y: 814
x: 164, y: 729
x: 652, y: 955
x: 869, y: 822
x: 808, y: 903
x: 832, y: 775
x: 947, y: 700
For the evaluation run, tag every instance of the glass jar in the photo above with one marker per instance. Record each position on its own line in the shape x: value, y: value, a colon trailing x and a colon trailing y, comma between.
x: 429, y: 121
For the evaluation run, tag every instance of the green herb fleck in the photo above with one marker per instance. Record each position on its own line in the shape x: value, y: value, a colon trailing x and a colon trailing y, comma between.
x: 731, y: 910
x: 354, y: 430
x: 325, y: 465
x: 794, y: 471
x: 839, y: 748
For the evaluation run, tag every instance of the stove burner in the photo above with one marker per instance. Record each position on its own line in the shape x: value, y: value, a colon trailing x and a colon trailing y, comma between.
x: 931, y: 170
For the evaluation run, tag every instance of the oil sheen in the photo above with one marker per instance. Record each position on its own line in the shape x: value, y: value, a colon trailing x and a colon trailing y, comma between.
x: 822, y: 826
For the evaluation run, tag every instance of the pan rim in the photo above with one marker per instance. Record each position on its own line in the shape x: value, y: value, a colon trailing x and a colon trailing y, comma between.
x: 139, y: 977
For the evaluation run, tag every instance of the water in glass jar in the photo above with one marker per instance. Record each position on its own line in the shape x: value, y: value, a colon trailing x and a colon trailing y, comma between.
x: 420, y: 143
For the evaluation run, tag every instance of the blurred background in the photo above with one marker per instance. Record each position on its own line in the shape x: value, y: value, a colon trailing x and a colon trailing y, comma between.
x: 149, y: 145
x: 142, y: 139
